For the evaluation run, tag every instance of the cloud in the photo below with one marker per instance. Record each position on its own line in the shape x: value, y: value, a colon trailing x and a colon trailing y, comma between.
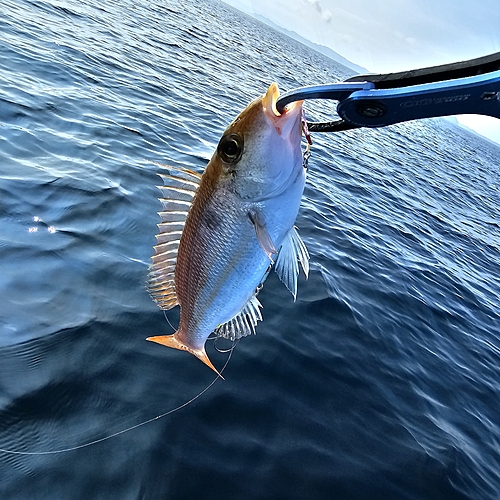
x: 393, y: 35
x: 327, y: 16
x: 316, y: 5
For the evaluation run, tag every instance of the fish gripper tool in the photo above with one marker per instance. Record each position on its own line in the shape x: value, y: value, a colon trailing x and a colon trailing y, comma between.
x: 378, y: 100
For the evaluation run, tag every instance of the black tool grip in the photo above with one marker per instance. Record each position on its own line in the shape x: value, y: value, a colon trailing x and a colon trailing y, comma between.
x: 432, y: 74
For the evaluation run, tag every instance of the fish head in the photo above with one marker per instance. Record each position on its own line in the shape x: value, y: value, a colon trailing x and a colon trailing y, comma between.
x: 260, y: 153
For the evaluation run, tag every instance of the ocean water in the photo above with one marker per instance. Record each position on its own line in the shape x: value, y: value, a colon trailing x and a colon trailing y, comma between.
x: 381, y: 382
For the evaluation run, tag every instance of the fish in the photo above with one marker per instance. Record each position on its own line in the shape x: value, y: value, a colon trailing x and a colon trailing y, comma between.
x: 223, y: 231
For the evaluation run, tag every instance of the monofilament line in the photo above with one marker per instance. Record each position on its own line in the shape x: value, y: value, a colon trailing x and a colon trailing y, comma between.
x: 128, y: 429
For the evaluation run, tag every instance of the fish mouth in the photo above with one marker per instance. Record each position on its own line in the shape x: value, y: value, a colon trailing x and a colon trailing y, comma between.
x: 285, y: 123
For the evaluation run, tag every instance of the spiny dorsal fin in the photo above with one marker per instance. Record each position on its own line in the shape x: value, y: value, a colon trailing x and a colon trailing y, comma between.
x: 243, y: 323
x: 292, y: 251
x: 177, y: 194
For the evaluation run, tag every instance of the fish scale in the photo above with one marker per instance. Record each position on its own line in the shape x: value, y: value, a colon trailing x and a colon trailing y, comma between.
x: 220, y: 233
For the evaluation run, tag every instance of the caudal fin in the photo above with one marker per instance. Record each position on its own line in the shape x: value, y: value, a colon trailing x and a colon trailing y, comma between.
x: 175, y: 343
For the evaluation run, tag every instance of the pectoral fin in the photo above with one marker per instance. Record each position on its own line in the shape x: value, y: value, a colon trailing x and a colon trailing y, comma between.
x: 292, y: 251
x: 262, y: 235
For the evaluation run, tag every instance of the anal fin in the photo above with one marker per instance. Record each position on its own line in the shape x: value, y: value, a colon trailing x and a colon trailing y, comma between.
x: 243, y: 323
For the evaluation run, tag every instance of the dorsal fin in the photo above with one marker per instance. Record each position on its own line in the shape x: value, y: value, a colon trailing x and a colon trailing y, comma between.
x: 243, y: 323
x: 177, y: 194
x: 292, y: 251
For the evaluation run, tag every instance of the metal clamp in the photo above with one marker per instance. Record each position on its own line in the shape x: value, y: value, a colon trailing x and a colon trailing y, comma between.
x: 381, y: 100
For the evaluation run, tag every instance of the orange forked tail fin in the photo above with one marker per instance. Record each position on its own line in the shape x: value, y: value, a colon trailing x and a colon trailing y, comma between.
x: 175, y: 343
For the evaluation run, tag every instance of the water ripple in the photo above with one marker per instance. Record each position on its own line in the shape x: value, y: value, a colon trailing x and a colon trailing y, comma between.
x: 380, y: 381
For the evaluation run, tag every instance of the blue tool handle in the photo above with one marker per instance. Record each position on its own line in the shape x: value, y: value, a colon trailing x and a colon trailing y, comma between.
x: 380, y: 107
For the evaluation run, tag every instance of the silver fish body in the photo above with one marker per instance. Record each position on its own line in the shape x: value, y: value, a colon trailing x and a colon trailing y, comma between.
x: 239, y: 222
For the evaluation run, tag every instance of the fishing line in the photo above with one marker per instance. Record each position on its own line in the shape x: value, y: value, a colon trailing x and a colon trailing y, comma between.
x: 128, y: 429
x: 219, y: 349
x: 168, y: 321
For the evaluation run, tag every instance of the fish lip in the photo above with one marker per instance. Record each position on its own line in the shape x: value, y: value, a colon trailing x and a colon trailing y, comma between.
x: 292, y: 111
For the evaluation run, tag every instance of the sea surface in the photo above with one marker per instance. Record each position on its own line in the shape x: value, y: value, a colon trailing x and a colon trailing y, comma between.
x: 382, y: 381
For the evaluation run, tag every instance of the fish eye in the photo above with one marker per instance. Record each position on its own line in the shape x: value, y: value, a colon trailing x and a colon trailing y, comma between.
x: 230, y: 148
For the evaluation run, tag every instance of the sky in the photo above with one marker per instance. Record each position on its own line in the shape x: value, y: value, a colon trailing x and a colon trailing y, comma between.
x: 394, y: 35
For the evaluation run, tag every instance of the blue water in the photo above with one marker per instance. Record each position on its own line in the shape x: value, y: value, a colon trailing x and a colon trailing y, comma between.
x: 381, y: 382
